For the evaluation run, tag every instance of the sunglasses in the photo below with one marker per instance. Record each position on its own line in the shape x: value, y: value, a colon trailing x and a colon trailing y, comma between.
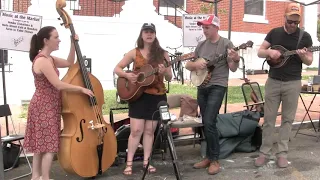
x: 295, y: 22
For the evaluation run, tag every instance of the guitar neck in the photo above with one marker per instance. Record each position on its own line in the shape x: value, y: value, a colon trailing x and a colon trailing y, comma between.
x: 155, y: 70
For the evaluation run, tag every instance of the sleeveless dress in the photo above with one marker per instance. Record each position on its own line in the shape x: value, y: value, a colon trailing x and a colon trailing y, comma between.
x: 146, y: 106
x: 44, y: 116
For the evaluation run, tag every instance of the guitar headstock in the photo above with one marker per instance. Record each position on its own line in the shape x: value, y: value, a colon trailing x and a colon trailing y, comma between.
x: 60, y: 4
x: 185, y: 57
x: 245, y: 45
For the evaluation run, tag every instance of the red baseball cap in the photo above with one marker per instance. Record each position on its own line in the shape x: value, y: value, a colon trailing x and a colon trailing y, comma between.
x: 211, y: 19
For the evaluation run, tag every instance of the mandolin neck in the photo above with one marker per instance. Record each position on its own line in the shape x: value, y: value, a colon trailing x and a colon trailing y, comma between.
x: 310, y: 49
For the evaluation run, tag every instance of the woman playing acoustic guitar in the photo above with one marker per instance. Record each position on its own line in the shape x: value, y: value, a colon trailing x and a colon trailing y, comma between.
x: 143, y: 111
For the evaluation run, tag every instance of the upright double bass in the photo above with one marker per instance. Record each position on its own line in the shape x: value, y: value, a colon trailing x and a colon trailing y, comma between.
x: 88, y: 145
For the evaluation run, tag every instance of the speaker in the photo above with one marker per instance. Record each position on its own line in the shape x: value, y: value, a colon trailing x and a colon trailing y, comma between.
x: 3, y: 56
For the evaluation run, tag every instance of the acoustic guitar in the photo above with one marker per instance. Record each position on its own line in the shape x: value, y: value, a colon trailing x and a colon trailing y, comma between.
x: 201, y: 77
x: 130, y: 92
x: 285, y: 55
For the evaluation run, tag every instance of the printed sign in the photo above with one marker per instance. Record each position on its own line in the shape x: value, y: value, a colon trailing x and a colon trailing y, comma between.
x: 17, y: 29
x: 192, y: 33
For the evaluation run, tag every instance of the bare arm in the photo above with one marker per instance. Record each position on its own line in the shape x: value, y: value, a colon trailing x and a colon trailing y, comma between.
x: 46, y: 67
x: 191, y: 65
x: 263, y: 51
x: 233, y: 63
x: 233, y: 58
x: 307, y: 59
x: 62, y: 63
x: 168, y: 73
x: 126, y: 60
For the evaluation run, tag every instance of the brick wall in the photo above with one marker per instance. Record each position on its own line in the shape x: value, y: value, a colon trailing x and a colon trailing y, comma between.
x: 274, y: 12
x: 274, y: 15
x: 99, y: 8
x: 21, y: 5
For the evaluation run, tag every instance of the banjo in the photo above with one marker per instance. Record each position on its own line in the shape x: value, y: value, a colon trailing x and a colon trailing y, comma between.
x: 201, y: 77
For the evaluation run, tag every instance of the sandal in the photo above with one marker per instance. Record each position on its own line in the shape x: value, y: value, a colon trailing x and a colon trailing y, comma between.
x: 151, y: 169
x: 128, y: 170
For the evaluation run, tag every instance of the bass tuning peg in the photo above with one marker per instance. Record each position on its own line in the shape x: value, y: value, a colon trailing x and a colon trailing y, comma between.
x: 59, y: 18
x: 61, y: 24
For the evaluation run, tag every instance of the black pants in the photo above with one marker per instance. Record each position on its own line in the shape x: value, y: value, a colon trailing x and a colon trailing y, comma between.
x: 210, y: 100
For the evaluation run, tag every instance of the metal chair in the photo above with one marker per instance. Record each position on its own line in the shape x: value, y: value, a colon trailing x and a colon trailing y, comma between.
x: 174, y: 101
x: 6, y: 112
x: 253, y: 97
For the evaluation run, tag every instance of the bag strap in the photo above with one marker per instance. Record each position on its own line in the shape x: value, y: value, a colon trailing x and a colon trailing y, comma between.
x: 300, y: 36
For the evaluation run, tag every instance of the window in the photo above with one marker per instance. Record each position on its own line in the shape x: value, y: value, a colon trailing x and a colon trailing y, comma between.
x: 167, y: 7
x: 254, y: 7
x: 171, y: 3
x: 255, y: 11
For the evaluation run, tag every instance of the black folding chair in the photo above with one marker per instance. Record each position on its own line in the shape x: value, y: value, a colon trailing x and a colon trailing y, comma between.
x: 7, y: 141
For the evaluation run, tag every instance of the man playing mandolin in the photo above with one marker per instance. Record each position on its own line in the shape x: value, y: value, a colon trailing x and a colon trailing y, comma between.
x: 210, y: 96
x: 283, y: 83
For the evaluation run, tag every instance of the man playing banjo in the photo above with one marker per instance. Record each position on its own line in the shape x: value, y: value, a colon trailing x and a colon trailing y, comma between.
x: 210, y: 96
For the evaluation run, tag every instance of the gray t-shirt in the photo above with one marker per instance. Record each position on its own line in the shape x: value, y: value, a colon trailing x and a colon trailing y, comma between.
x: 211, y: 51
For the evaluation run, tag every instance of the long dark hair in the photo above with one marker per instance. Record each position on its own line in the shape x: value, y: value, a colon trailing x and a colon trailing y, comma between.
x: 156, y: 54
x: 37, y: 43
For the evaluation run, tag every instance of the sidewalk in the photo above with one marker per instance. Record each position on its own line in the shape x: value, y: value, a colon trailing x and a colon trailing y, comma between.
x: 304, y: 163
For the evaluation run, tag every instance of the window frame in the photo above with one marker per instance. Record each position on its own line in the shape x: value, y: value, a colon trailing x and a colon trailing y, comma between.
x: 170, y: 11
x: 256, y: 18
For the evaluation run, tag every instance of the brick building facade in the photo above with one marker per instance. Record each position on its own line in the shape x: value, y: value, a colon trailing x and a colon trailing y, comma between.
x: 247, y: 16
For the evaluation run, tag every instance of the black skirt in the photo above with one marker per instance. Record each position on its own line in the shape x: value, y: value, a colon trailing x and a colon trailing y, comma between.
x: 146, y: 107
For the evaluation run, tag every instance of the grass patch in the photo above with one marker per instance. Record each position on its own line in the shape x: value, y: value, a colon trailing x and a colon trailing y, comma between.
x: 312, y: 69
x: 234, y: 96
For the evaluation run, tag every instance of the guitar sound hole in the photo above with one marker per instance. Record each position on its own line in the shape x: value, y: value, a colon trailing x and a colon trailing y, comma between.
x: 140, y: 78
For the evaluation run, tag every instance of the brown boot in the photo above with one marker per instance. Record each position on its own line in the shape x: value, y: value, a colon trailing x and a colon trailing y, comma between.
x: 282, y: 162
x: 202, y: 164
x: 261, y: 160
x: 214, y: 168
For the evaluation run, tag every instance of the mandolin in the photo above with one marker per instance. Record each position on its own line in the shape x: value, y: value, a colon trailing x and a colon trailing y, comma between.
x: 146, y: 75
x: 201, y: 77
x: 285, y: 55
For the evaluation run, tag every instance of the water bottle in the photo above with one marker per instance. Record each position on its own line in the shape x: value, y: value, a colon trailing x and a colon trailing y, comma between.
x: 309, y: 89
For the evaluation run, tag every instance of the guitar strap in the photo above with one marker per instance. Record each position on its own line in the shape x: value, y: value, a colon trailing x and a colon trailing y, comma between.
x: 219, y: 50
x: 300, y: 36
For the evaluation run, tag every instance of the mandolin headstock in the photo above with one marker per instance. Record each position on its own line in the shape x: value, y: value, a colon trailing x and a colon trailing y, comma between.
x: 246, y: 45
x: 313, y: 48
x: 60, y: 4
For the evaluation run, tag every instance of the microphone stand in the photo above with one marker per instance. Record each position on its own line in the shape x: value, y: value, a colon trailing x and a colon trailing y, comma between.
x: 166, y: 138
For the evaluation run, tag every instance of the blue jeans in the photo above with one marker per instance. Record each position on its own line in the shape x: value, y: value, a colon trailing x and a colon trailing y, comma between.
x: 210, y: 100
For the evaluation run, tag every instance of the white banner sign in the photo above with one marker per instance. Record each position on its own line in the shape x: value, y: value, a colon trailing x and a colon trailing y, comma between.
x: 16, y: 30
x: 192, y: 33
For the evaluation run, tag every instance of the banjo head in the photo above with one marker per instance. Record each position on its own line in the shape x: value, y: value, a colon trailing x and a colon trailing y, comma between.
x: 197, y: 77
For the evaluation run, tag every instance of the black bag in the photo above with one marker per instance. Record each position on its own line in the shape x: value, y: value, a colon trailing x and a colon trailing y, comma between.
x: 10, y: 152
